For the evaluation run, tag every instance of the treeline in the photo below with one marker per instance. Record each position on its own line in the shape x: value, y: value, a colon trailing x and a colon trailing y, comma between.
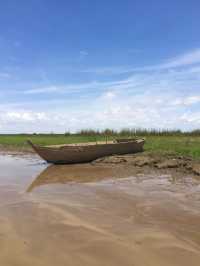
x: 110, y: 132
x: 136, y: 132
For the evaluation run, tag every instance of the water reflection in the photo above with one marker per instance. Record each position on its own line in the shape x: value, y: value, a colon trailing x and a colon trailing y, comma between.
x: 82, y: 173
x: 87, y: 173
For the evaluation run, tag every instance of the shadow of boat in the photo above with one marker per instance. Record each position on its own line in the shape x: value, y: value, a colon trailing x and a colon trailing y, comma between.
x: 62, y: 174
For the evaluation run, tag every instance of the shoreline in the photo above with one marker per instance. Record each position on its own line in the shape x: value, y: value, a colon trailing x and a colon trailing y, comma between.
x: 143, y: 162
x: 12, y: 149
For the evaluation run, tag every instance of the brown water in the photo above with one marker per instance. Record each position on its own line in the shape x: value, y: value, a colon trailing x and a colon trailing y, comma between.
x: 95, y: 215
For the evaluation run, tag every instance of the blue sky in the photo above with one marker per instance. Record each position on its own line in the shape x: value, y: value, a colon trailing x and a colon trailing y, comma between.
x: 67, y: 65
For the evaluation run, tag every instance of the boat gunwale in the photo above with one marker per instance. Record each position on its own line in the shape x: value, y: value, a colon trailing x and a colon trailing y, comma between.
x: 77, y: 145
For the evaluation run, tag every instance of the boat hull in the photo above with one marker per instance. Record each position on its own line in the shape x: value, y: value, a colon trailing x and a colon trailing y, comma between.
x: 87, y: 153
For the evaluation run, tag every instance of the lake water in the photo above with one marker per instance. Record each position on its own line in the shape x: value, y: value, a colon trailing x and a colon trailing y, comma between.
x: 95, y: 215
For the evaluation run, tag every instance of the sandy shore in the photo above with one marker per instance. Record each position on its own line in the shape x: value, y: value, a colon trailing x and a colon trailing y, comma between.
x: 104, y: 213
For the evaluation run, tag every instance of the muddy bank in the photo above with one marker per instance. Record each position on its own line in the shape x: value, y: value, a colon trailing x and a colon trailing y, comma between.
x: 96, y: 214
x: 154, y: 162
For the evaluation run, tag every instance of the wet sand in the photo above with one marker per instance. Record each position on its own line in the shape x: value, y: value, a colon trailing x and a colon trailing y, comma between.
x: 96, y: 215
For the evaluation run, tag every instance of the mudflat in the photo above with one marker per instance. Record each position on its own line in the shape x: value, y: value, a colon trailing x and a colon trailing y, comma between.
x: 97, y: 214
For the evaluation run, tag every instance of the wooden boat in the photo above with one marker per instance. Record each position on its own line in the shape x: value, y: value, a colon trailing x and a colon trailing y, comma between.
x: 125, y: 140
x: 85, y: 152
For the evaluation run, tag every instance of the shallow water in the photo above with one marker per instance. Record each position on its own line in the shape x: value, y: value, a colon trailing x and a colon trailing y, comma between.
x: 95, y: 215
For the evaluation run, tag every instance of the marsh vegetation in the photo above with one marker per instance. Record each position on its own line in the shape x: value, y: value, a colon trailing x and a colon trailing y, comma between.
x: 157, y: 141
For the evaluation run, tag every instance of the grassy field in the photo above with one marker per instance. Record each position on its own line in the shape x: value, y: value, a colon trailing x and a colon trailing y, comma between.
x: 180, y: 145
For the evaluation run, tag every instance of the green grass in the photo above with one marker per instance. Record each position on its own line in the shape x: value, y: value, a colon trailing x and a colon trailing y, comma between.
x: 179, y: 145
x: 47, y: 139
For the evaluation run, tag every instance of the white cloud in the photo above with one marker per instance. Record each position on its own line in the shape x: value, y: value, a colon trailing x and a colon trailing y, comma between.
x: 23, y: 116
x: 50, y: 89
x: 110, y: 95
x: 113, y: 110
x: 162, y: 98
x: 161, y: 77
x: 192, y: 57
x: 191, y: 118
x: 190, y: 100
x: 176, y: 80
x: 186, y: 59
x: 110, y: 70
x: 70, y: 88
